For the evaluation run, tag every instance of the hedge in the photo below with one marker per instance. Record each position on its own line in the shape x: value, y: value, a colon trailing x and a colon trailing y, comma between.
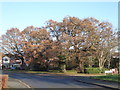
x: 94, y: 70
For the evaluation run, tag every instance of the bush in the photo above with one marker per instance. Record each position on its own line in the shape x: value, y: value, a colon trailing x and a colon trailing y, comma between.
x: 104, y: 69
x: 94, y: 70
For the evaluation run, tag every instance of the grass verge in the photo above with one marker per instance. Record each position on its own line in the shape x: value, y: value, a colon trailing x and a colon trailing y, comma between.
x: 68, y: 72
x: 115, y: 78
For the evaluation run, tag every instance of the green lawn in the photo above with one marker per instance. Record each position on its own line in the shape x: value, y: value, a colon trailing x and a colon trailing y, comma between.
x: 29, y: 71
x: 108, y: 77
x: 69, y: 72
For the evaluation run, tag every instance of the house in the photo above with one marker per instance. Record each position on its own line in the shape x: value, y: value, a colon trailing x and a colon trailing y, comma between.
x: 9, y: 61
x: 0, y: 60
x: 6, y: 62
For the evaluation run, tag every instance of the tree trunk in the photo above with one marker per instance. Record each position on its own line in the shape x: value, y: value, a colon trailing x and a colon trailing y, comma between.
x: 81, y: 67
x: 90, y: 62
x: 101, y: 67
x: 108, y: 64
x: 101, y: 63
x: 102, y: 60
x: 64, y: 68
x: 31, y: 66
x: 47, y: 66
x: 23, y: 63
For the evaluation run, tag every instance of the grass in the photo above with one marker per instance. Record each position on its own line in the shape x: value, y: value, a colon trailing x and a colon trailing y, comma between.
x: 28, y: 71
x: 68, y: 72
x: 108, y: 78
x: 44, y: 72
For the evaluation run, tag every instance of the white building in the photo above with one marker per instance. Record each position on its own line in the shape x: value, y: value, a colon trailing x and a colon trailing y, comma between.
x: 0, y: 60
x: 6, y: 62
x: 0, y: 63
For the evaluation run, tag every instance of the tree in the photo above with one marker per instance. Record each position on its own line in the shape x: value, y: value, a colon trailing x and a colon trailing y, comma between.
x: 79, y: 41
x: 76, y: 33
x: 107, y: 42
x: 11, y: 43
x: 56, y: 32
x: 36, y: 42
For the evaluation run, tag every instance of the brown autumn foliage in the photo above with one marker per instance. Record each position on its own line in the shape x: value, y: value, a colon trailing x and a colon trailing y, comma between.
x: 73, y: 40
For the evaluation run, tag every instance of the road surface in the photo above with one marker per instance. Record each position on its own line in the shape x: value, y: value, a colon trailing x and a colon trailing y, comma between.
x: 48, y: 81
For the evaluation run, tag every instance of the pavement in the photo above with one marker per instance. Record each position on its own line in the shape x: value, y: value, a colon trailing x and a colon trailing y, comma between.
x: 102, y: 83
x: 15, y: 83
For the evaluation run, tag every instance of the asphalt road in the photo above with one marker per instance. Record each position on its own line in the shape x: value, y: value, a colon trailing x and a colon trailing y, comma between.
x: 48, y: 81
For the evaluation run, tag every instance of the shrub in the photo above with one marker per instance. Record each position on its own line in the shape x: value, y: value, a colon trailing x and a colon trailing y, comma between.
x: 94, y: 70
x: 103, y: 70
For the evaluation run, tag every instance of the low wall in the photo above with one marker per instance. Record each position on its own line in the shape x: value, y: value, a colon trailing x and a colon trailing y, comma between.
x: 3, y: 81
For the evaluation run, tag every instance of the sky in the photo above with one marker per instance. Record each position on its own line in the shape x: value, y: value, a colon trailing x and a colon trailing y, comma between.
x: 23, y: 14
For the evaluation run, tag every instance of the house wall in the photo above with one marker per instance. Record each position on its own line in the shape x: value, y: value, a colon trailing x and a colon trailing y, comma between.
x: 0, y: 60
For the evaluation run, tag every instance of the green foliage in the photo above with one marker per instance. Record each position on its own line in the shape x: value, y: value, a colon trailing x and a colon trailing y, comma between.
x: 54, y: 71
x: 61, y: 57
x: 61, y: 62
x: 94, y: 70
x: 103, y: 70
